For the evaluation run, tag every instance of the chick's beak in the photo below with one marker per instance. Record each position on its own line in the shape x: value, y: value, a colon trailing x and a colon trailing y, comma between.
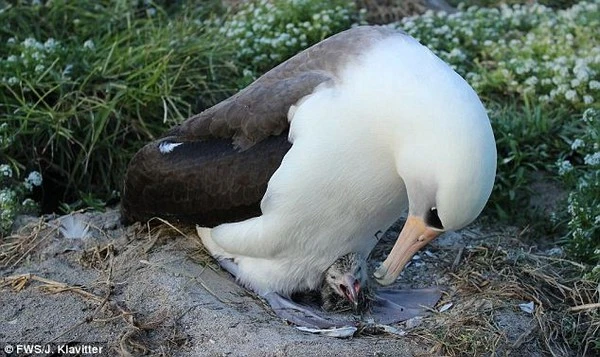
x: 351, y: 288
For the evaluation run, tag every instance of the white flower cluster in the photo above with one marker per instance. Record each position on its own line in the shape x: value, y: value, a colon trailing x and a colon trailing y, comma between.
x: 592, y: 159
x: 584, y: 200
x: 7, y: 196
x: 5, y: 171
x: 12, y: 192
x: 268, y: 32
x: 12, y: 195
x: 564, y: 167
x: 89, y: 44
x: 532, y: 50
x: 7, y: 209
x: 30, y: 60
x: 584, y: 215
x: 588, y: 145
x: 577, y: 143
x: 33, y: 180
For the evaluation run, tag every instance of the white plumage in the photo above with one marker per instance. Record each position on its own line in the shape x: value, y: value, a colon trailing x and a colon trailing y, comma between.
x: 397, y: 129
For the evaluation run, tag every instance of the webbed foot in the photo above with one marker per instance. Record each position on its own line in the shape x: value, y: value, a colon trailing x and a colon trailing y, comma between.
x: 392, y: 305
x: 301, y: 315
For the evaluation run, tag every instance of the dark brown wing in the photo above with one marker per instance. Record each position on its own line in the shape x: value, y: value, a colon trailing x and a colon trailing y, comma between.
x: 222, y: 159
x: 203, y: 182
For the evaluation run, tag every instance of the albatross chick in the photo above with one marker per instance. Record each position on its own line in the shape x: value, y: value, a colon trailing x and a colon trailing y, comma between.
x: 346, y: 285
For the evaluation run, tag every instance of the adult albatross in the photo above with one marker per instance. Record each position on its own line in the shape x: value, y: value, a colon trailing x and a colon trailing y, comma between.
x: 316, y: 157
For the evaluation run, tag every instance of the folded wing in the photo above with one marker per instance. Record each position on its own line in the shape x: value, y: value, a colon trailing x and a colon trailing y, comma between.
x: 215, y: 166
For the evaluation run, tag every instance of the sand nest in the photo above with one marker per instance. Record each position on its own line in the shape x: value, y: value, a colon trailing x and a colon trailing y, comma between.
x: 151, y: 289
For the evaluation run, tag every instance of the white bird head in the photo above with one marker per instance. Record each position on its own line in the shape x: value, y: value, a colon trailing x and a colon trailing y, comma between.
x: 446, y: 159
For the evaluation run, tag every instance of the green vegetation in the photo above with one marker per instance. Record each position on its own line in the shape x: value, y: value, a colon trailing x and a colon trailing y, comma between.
x: 265, y: 33
x: 580, y: 169
x: 94, y: 83
x: 13, y: 193
x: 84, y: 86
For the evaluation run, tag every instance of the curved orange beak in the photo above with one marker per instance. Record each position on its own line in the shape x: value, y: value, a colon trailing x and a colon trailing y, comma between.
x: 414, y: 236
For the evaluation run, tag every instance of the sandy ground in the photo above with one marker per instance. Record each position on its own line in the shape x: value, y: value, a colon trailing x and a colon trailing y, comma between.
x: 160, y: 300
x: 140, y: 290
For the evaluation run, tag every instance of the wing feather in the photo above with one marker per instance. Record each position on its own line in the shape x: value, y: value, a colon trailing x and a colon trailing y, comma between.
x: 260, y: 110
x: 217, y: 164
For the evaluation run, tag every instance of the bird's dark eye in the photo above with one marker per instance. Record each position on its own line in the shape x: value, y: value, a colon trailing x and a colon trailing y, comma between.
x: 433, y: 220
x: 332, y: 277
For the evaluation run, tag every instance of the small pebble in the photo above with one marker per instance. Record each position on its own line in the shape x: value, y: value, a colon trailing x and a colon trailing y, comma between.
x: 527, y: 307
x: 430, y: 254
x: 414, y: 322
x: 555, y: 252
